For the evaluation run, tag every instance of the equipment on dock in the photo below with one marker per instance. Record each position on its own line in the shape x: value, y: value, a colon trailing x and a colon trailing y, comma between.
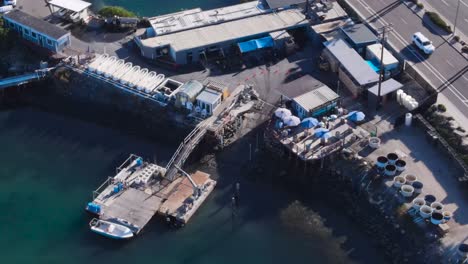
x: 110, y: 230
x: 197, y: 190
x: 93, y: 208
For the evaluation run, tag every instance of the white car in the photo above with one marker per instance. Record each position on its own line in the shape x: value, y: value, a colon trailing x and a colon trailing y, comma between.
x: 10, y: 2
x: 423, y: 43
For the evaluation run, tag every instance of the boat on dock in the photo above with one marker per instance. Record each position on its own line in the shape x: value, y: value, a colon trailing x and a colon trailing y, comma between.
x: 110, y: 229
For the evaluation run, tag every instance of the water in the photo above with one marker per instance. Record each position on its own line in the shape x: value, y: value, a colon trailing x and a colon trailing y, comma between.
x: 50, y: 165
x: 158, y: 7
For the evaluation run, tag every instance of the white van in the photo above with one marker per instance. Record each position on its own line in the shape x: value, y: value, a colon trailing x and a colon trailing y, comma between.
x: 423, y: 43
x: 10, y: 2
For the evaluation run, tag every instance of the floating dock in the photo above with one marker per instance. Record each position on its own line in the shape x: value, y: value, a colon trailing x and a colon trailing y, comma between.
x: 139, y: 190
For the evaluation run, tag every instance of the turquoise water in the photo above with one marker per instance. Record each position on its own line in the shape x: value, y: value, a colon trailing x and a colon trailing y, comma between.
x: 158, y: 7
x: 51, y: 163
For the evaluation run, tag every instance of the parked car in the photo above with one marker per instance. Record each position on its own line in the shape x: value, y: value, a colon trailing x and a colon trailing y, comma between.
x: 423, y: 43
x: 10, y: 2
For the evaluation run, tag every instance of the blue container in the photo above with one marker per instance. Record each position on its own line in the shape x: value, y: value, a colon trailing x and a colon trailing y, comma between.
x: 94, y: 208
x: 116, y: 189
x: 120, y: 185
x: 139, y: 161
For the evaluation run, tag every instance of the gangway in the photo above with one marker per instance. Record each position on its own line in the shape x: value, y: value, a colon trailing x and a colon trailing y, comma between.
x: 23, y: 79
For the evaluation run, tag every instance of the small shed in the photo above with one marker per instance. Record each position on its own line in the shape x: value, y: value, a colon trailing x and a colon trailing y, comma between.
x: 209, y: 100
x: 374, y: 52
x: 188, y: 93
x: 387, y: 89
x: 359, y: 36
x: 316, y: 102
x: 72, y: 10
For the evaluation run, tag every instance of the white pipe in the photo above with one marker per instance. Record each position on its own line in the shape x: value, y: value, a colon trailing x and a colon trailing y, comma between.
x: 119, y: 65
x: 139, y: 77
x: 144, y: 82
x: 102, y: 68
x: 127, y: 67
x: 129, y: 75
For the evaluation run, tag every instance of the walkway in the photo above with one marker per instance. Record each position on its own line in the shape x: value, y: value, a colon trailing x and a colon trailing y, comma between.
x: 22, y: 79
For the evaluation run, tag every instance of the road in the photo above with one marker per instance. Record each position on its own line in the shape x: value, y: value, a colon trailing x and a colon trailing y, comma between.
x: 446, y: 69
x: 448, y: 9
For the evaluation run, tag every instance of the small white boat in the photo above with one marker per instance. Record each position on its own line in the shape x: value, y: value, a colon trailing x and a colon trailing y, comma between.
x: 110, y: 229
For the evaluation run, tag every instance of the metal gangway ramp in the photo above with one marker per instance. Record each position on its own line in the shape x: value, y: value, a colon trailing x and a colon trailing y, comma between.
x: 23, y: 79
x: 186, y: 147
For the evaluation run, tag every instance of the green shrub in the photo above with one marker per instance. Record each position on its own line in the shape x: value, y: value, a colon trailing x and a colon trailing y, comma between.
x: 456, y: 38
x: 436, y: 19
x: 441, y: 108
x: 110, y: 11
x: 420, y: 5
x: 465, y: 49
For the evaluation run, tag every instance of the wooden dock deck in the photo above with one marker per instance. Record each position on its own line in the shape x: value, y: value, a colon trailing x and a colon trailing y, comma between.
x: 180, y: 204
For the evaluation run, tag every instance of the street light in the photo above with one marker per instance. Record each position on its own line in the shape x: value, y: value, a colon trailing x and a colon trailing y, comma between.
x: 456, y: 17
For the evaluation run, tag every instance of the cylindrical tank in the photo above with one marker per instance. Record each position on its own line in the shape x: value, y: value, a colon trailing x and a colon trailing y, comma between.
x: 429, y: 199
x: 437, y: 207
x: 381, y: 162
x: 447, y: 215
x: 398, y: 181
x: 418, y: 202
x: 436, y: 218
x: 408, y: 119
x: 425, y: 211
x: 410, y: 178
x: 407, y: 190
x: 400, y: 165
x: 374, y: 142
x: 399, y: 92
x: 417, y: 186
x: 392, y: 158
x: 463, y: 250
x: 390, y: 170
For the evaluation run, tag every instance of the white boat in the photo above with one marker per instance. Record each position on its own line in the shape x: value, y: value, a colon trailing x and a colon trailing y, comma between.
x: 110, y: 229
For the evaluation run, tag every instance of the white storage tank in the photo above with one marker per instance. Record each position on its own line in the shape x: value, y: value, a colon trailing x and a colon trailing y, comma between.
x: 120, y: 73
x: 104, y: 66
x: 142, y: 85
x: 118, y: 65
x: 408, y: 119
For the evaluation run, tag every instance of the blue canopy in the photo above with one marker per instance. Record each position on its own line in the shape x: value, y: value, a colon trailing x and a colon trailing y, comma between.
x: 356, y: 116
x: 255, y: 44
x: 309, y: 122
x: 320, y: 132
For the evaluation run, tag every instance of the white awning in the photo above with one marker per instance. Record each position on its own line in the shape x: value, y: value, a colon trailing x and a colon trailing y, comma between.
x: 72, y: 5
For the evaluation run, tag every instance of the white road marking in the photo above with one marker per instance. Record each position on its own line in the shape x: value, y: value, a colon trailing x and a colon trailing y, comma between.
x: 443, y: 1
x: 465, y: 4
x: 464, y: 77
x: 431, y: 68
x: 449, y: 63
x: 404, y: 21
x: 466, y: 20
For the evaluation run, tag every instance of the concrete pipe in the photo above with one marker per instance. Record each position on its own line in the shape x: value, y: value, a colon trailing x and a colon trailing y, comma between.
x: 418, y: 186
x: 382, y: 161
x: 400, y: 165
x: 410, y: 178
x: 418, y: 203
x: 437, y: 207
x: 437, y: 218
x: 447, y: 216
x: 390, y: 170
x: 407, y: 190
x: 392, y: 158
x: 374, y: 142
x: 398, y: 181
x: 425, y: 211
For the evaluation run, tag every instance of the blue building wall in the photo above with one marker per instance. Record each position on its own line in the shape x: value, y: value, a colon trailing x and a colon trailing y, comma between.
x: 39, y: 38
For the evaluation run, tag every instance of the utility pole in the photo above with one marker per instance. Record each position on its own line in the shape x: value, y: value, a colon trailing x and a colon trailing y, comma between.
x: 456, y: 18
x: 385, y: 30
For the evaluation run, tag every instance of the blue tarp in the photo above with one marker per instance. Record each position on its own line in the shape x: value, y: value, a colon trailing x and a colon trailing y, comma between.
x: 255, y: 44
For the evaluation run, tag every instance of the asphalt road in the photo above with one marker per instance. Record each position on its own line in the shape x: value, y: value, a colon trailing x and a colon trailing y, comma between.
x: 445, y: 69
x: 448, y: 9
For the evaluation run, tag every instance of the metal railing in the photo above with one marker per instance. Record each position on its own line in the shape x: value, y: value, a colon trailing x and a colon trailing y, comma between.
x: 102, y: 187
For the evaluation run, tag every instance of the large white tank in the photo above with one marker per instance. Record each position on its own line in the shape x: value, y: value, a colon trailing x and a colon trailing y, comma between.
x: 129, y: 75
x: 157, y: 81
x: 117, y: 66
x: 408, y: 119
x: 97, y: 61
x: 104, y: 66
x: 139, y: 77
x: 146, y: 80
x: 399, y: 92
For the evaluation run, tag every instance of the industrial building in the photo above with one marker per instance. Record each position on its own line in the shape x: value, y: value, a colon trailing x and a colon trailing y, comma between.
x: 71, y: 10
x: 38, y: 31
x: 353, y: 71
x: 359, y: 36
x: 191, y: 36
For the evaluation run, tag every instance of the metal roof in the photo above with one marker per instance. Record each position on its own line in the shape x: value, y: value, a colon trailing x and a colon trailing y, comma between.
x: 191, y: 88
x: 273, y: 4
x: 352, y: 62
x: 209, y: 96
x: 316, y: 98
x: 299, y: 86
x: 376, y: 50
x: 231, y: 30
x: 387, y: 87
x: 36, y: 24
x: 359, y: 34
x: 72, y: 5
